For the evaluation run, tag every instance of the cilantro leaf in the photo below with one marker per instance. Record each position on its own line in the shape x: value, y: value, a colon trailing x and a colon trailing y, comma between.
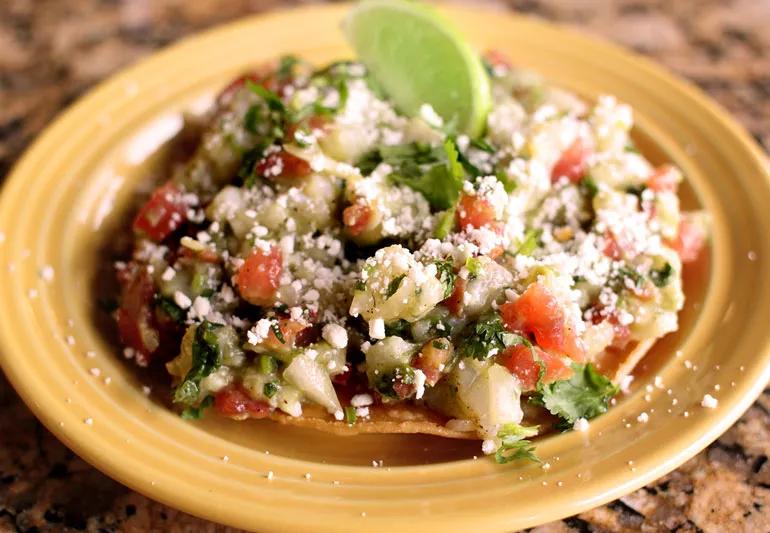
x: 530, y: 242
x: 486, y: 335
x: 662, y: 276
x: 445, y: 222
x: 194, y: 413
x: 584, y: 395
x: 167, y: 306
x: 441, y: 183
x: 446, y: 275
x: 514, y: 444
x: 206, y: 358
x: 394, y: 285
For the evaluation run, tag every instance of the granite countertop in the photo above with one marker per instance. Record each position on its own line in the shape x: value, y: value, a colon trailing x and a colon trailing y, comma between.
x: 52, y: 51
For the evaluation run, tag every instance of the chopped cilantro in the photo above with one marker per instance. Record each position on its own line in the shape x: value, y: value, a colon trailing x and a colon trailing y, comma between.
x: 440, y: 344
x: 270, y: 388
x: 350, y: 415
x: 514, y: 444
x: 584, y: 395
x: 394, y: 285
x: 487, y: 335
x: 272, y: 100
x: 194, y: 413
x: 618, y: 281
x: 445, y: 222
x: 206, y: 358
x: 252, y: 118
x: 530, y: 242
x: 172, y: 310
x: 386, y: 381
x: 446, y: 274
x: 400, y: 328
x: 286, y: 66
x: 629, y: 147
x: 483, y: 145
x: 662, y: 276
x: 589, y: 186
x: 360, y: 285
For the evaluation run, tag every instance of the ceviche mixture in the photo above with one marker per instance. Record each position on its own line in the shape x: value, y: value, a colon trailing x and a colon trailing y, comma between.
x: 324, y: 258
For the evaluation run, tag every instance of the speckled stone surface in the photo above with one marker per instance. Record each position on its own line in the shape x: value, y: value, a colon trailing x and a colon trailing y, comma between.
x: 51, y: 51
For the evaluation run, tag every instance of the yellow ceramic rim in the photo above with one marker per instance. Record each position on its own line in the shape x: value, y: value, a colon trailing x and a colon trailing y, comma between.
x: 53, y: 204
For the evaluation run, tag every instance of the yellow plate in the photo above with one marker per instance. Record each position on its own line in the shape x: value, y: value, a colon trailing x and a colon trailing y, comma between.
x: 61, y: 204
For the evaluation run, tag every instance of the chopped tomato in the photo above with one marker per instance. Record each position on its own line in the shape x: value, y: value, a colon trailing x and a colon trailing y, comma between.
x: 615, y: 247
x: 357, y: 218
x: 521, y: 362
x: 258, y: 278
x: 283, y: 165
x: 538, y: 312
x: 291, y: 332
x: 403, y: 390
x: 455, y: 301
x: 497, y: 59
x: 343, y: 377
x: 572, y: 164
x: 665, y: 178
x: 689, y: 241
x: 474, y: 212
x: 433, y: 356
x: 235, y: 402
x: 163, y: 213
x: 134, y: 316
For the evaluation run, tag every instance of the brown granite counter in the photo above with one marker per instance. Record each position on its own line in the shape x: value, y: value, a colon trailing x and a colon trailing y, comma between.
x: 51, y: 51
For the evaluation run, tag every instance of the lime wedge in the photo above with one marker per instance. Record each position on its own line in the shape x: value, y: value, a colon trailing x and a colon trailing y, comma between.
x: 418, y: 58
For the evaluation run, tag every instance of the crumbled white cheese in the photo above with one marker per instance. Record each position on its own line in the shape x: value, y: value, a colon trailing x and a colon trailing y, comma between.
x: 46, y: 273
x: 709, y: 402
x: 361, y: 400
x: 419, y: 382
x: 488, y: 446
x: 377, y: 328
x: 182, y: 300
x: 643, y: 418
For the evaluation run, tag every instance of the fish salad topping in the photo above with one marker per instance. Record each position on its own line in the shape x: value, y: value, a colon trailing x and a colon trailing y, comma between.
x: 320, y: 248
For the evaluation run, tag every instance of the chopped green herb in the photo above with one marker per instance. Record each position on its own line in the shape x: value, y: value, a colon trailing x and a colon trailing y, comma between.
x: 626, y: 273
x: 270, y: 389
x: 445, y: 222
x: 584, y: 395
x: 662, y: 276
x: 589, y: 186
x: 440, y: 344
x: 483, y: 145
x: 386, y: 381
x: 286, y: 67
x: 350, y: 415
x: 194, y: 413
x: 629, y: 147
x: 400, y: 328
x: 487, y: 335
x: 394, y: 285
x: 252, y: 118
x: 446, y: 274
x: 248, y: 162
x: 272, y: 100
x: 636, y: 190
x: 530, y: 242
x: 171, y: 310
x: 206, y: 358
x: 514, y: 444
x: 360, y: 285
